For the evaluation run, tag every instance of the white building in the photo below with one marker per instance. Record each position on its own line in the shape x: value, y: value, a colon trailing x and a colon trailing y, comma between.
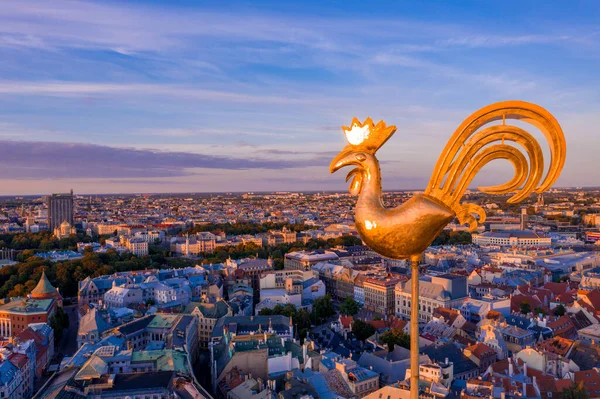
x: 203, y: 242
x: 304, y: 260
x: 445, y: 291
x: 164, y: 294
x: 137, y: 246
x: 123, y: 296
x: 513, y: 238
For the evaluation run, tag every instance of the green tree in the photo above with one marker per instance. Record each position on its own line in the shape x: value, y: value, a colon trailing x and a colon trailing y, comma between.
x: 349, y: 306
x: 559, y: 310
x: 322, y: 309
x: 575, y: 392
x: 59, y: 321
x: 17, y: 291
x: 362, y: 330
x: 539, y: 310
x: 525, y: 307
x: 395, y: 337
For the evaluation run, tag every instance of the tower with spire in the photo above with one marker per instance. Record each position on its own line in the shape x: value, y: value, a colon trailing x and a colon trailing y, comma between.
x: 45, y: 290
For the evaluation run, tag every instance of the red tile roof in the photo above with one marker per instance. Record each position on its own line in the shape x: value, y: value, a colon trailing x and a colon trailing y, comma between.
x: 517, y: 300
x: 481, y: 351
x: 346, y: 321
x: 562, y: 327
x: 590, y: 379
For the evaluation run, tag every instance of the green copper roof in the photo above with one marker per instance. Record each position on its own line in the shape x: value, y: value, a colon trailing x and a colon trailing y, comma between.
x: 44, y: 286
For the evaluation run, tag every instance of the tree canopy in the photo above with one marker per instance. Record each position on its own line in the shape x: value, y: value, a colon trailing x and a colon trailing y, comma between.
x: 362, y: 330
x: 349, y: 307
x: 575, y: 392
x: 453, y: 238
x: 395, y: 337
x: 246, y: 228
x: 559, y: 310
x: 322, y: 309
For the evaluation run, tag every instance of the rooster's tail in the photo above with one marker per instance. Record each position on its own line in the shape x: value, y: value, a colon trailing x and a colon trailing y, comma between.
x: 471, y: 147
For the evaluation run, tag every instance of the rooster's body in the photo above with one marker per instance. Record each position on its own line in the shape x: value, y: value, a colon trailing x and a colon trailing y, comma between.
x: 407, y: 230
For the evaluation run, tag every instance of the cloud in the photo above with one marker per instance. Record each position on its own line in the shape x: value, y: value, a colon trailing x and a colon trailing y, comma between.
x: 82, y: 89
x: 502, y: 41
x: 46, y: 160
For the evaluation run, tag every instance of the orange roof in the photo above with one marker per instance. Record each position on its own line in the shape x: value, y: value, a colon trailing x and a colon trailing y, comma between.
x: 398, y: 323
x: 593, y: 298
x: 557, y: 345
x: 377, y: 323
x: 346, y: 321
x: 557, y: 288
x: 562, y: 326
x: 517, y: 300
x: 493, y: 315
x: 481, y: 350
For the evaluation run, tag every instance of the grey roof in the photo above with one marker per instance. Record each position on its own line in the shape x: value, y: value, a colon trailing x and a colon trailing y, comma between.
x: 428, y: 289
x: 135, y: 325
x: 93, y: 321
x: 462, y: 364
x: 243, y: 325
x: 391, y: 370
x: 209, y: 310
x: 586, y: 355
x: 310, y: 282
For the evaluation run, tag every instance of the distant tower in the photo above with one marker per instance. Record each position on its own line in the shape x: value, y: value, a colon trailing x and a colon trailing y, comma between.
x: 540, y: 200
x: 29, y: 221
x: 60, y: 209
x: 187, y: 244
x: 524, y: 218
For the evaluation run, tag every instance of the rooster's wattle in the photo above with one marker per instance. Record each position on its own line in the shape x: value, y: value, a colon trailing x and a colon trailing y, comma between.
x: 406, y: 231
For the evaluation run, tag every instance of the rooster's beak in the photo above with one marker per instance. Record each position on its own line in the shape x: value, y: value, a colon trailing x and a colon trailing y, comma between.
x: 344, y: 158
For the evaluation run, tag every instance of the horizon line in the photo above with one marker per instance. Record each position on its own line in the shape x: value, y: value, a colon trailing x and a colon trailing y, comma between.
x: 263, y: 192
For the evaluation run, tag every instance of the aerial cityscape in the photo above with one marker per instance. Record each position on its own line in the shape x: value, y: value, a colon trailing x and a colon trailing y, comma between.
x: 173, y: 223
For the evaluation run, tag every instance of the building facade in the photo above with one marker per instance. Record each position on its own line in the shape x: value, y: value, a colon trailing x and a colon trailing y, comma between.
x: 379, y: 295
x: 445, y: 291
x: 514, y: 238
x: 60, y: 209
x: 304, y: 260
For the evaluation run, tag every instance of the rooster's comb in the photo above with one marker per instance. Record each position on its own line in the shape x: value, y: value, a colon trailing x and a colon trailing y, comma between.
x: 367, y: 136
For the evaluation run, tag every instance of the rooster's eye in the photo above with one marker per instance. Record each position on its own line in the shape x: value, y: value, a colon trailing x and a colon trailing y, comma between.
x: 360, y: 157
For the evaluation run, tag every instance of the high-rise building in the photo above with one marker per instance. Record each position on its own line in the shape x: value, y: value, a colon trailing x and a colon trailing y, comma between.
x: 60, y: 208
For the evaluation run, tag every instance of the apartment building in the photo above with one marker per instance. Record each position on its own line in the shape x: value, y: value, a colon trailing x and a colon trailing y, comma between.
x: 445, y: 291
x: 380, y: 294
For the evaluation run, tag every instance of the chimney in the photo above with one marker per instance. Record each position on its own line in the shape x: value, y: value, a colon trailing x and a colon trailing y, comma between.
x: 525, y: 369
x: 524, y: 389
x: 534, y: 381
x: 510, y: 367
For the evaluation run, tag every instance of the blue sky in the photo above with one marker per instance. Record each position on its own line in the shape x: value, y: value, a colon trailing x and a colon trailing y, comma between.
x: 250, y: 96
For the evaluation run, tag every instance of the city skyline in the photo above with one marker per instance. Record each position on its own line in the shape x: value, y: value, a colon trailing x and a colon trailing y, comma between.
x: 156, y: 97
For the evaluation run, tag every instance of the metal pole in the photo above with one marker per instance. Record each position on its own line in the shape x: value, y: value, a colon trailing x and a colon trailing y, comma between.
x: 414, y: 331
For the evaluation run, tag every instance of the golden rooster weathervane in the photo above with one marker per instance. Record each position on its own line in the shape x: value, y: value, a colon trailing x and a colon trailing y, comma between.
x: 406, y: 231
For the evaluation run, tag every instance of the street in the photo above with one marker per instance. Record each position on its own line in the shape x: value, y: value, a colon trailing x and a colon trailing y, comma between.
x: 68, y: 344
